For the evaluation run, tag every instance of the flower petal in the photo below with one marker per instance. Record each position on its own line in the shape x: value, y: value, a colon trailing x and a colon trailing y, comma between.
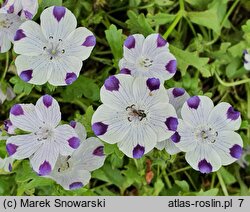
x: 57, y: 23
x: 63, y: 135
x: 196, y: 110
x: 5, y: 43
x: 48, y: 110
x: 34, y: 70
x: 79, y: 43
x: 228, y: 146
x: 80, y: 130
x: 89, y: 156
x: 224, y: 117
x: 204, y: 159
x: 177, y: 97
x: 44, y: 159
x: 65, y: 71
x: 26, y: 145
x: 32, y: 41
x: 138, y: 141
x: 29, y: 9
x: 109, y: 124
x: 24, y: 117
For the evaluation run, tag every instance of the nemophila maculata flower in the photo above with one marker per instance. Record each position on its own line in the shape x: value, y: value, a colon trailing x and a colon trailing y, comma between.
x: 149, y: 57
x: 6, y: 164
x: 135, y: 114
x: 206, y: 134
x: 46, y: 138
x: 9, y: 127
x: 54, y: 51
x: 12, y: 15
x: 6, y: 94
x: 26, y: 9
x: 246, y: 60
x: 73, y: 171
x: 177, y: 97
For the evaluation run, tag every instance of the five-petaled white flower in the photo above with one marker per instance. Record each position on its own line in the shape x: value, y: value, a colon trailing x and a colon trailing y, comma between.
x: 135, y: 113
x: 6, y: 164
x: 73, y: 171
x: 246, y: 60
x: 206, y: 134
x: 10, y: 19
x: 47, y: 140
x: 26, y: 9
x: 149, y: 57
x: 55, y: 50
x: 177, y: 97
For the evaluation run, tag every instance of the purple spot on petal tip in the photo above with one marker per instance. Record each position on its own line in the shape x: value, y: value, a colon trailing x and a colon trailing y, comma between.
x: 172, y: 123
x: 45, y: 168
x: 178, y: 92
x: 59, y: 12
x: 11, y: 148
x: 161, y: 41
x: 19, y: 35
x: 99, y: 151
x: 26, y: 75
x: 10, y: 167
x: 74, y: 142
x: 232, y: 114
x: 16, y: 110
x: 125, y: 71
x: 153, y: 84
x: 47, y: 100
x: 138, y: 151
x: 175, y: 137
x: 171, y: 66
x: 99, y: 128
x: 70, y: 78
x: 130, y: 42
x: 112, y: 84
x: 204, y: 166
x: 193, y: 102
x: 75, y: 185
x: 236, y: 151
x: 89, y: 41
x: 28, y: 15
x: 11, y: 9
x: 73, y: 124
x: 7, y: 125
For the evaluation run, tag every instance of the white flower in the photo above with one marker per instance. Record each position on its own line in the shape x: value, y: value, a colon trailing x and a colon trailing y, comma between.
x: 26, y: 9
x: 148, y: 57
x: 8, y: 94
x: 207, y: 134
x: 73, y: 172
x: 135, y: 114
x: 6, y: 164
x: 9, y: 23
x: 55, y: 50
x: 246, y: 59
x: 46, y: 139
x: 177, y: 97
x: 12, y: 15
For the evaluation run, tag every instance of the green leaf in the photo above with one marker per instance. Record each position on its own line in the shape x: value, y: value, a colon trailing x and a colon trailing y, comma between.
x: 83, y: 86
x: 199, y: 4
x: 211, y: 192
x: 115, y: 40
x: 158, y: 186
x: 87, y: 118
x: 138, y: 24
x: 48, y: 3
x: 210, y: 18
x: 21, y: 86
x: 160, y: 18
x: 183, y: 185
x: 164, y: 2
x: 186, y: 59
x: 227, y: 176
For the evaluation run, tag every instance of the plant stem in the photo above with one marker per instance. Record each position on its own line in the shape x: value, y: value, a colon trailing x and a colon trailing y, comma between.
x: 222, y: 184
x: 166, y: 178
x: 231, y: 84
x: 180, y: 170
x: 6, y: 66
